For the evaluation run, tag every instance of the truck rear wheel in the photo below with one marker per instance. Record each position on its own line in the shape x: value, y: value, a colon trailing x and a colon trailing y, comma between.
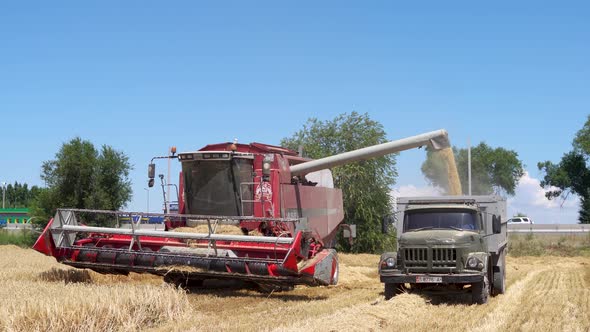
x: 500, y: 281
x: 392, y: 289
x: 480, y: 291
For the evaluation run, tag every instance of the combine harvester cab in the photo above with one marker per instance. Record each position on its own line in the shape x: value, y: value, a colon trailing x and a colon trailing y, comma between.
x: 287, y: 200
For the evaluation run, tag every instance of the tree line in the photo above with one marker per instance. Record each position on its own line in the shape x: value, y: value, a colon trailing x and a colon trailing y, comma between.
x: 19, y: 195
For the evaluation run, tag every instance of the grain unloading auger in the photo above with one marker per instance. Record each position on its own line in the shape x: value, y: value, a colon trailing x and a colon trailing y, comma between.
x: 258, y: 188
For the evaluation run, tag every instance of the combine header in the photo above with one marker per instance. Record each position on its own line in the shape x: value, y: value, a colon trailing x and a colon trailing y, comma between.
x: 288, y: 201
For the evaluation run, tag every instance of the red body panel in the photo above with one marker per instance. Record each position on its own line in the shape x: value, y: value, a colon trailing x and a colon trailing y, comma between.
x: 44, y: 243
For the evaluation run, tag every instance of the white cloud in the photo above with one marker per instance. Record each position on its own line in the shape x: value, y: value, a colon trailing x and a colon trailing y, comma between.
x: 529, y: 192
x: 530, y: 199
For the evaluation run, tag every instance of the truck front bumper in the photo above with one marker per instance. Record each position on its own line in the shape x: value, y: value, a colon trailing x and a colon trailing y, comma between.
x: 397, y: 277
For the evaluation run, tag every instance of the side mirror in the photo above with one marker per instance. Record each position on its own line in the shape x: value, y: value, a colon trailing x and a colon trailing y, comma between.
x: 496, y: 224
x: 151, y: 174
x: 386, y: 223
x: 151, y: 171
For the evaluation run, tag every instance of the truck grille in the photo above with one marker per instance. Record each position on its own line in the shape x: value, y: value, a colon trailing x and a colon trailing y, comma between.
x: 416, y: 257
x: 444, y: 257
x: 441, y: 257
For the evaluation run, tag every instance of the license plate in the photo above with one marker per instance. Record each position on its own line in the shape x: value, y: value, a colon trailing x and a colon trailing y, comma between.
x: 422, y: 279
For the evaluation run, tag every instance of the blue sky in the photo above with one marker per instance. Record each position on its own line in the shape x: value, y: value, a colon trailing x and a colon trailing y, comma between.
x: 144, y: 75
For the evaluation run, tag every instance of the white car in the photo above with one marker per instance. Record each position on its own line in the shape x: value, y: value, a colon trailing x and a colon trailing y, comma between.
x: 520, y: 221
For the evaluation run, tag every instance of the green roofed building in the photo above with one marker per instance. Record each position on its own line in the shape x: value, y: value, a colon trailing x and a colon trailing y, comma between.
x: 13, y: 216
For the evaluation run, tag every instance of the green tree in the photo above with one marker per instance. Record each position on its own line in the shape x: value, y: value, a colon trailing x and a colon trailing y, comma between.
x: 19, y: 195
x: 83, y: 177
x: 493, y: 170
x: 572, y: 174
x: 366, y: 184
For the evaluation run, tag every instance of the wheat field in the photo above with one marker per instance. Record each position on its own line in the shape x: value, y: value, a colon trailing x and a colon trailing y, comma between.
x: 38, y: 294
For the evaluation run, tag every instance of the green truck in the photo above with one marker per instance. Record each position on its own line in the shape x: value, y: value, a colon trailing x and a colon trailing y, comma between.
x: 452, y: 244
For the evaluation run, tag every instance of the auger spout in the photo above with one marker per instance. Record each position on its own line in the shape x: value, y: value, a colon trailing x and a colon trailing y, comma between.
x: 437, y: 140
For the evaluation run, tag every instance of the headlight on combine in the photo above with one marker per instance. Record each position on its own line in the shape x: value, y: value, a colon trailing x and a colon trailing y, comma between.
x: 473, y: 263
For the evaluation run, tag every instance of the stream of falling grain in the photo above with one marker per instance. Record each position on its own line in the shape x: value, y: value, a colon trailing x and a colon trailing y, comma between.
x: 452, y: 173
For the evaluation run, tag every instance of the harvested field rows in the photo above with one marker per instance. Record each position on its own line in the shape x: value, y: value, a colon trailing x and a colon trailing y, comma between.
x: 548, y: 293
x: 38, y: 294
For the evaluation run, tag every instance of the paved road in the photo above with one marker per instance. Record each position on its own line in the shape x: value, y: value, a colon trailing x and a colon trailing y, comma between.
x: 550, y: 228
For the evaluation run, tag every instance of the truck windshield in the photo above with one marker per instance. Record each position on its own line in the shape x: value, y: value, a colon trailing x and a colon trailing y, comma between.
x: 437, y: 219
x: 214, y: 187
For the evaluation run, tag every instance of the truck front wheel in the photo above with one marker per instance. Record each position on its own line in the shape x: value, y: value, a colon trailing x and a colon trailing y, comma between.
x: 392, y: 289
x: 499, y: 282
x: 480, y: 291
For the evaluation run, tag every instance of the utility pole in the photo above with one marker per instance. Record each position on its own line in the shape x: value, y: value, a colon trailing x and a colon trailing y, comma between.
x: 469, y: 165
x: 168, y: 181
x: 148, y: 200
x: 3, y: 194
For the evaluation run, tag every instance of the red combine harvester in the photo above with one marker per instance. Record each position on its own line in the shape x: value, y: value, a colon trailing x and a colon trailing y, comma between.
x: 288, y: 200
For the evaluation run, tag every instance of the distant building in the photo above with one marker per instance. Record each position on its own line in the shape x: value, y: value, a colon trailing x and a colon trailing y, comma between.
x: 13, y: 216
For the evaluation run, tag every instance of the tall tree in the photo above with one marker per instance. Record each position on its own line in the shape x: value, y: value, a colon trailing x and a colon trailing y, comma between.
x: 83, y: 177
x: 493, y: 170
x: 366, y: 184
x: 572, y: 174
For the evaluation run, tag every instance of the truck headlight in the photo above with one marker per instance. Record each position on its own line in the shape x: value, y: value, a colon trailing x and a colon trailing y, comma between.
x: 387, y: 261
x: 390, y: 262
x: 474, y: 263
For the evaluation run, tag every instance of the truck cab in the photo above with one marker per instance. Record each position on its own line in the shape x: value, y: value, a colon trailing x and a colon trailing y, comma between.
x: 448, y: 244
